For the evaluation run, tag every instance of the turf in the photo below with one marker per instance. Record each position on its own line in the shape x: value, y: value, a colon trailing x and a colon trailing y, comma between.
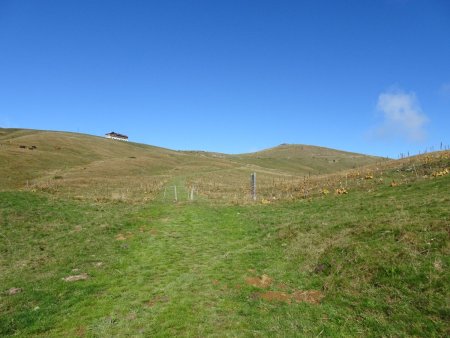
x: 380, y: 260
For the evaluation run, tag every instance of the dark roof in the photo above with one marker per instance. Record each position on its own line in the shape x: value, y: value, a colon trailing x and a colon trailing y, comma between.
x: 116, y: 135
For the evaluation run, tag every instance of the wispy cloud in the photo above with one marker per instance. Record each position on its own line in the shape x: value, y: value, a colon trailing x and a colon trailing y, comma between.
x: 402, y: 116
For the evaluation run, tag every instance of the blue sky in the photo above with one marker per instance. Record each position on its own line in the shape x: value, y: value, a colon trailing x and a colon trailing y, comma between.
x: 370, y: 76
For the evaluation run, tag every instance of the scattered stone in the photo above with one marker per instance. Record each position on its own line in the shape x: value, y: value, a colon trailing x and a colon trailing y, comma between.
x: 14, y: 291
x: 75, y: 278
x: 98, y: 264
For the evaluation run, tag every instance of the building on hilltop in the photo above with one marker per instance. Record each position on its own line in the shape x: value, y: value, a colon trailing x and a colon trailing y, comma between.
x: 116, y: 136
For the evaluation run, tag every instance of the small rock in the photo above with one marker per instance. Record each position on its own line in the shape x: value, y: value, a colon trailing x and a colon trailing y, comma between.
x: 75, y: 278
x: 13, y: 291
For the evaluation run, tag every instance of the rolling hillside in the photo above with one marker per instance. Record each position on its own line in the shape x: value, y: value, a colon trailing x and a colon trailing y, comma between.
x: 298, y: 159
x: 359, y: 252
x: 82, y: 162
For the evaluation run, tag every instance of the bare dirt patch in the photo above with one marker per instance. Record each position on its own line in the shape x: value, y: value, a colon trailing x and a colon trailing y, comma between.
x: 309, y: 296
x: 276, y: 296
x: 259, y: 282
x: 81, y: 331
x: 284, y: 293
x: 156, y: 300
x: 123, y: 237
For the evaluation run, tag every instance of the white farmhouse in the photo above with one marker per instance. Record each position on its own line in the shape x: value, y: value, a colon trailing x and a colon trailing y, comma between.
x: 116, y: 136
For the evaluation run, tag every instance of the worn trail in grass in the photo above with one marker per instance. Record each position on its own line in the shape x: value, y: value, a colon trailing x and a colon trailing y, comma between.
x: 380, y: 260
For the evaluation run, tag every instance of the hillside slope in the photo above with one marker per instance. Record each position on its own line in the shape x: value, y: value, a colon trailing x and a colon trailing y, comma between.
x: 60, y: 160
x: 95, y: 167
x: 370, y: 263
x: 305, y: 159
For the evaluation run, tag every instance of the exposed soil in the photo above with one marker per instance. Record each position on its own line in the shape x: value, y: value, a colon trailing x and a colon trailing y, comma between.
x: 309, y: 296
x: 81, y: 331
x: 276, y: 296
x: 123, y: 237
x: 157, y: 299
x: 259, y: 282
x: 287, y: 295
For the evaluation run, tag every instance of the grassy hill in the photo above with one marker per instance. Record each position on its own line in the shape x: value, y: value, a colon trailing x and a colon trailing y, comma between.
x: 298, y: 159
x: 93, y: 167
x: 362, y: 251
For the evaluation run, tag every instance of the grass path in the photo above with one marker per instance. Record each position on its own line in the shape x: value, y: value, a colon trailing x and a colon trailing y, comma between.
x: 185, y: 269
x: 185, y: 272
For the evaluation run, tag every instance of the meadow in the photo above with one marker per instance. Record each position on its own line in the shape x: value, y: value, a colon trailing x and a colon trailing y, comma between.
x: 361, y: 251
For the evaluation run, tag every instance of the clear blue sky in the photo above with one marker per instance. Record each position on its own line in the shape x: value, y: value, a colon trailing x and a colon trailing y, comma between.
x: 370, y: 76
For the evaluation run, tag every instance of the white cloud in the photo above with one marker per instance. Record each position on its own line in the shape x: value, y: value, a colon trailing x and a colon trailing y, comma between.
x: 402, y: 116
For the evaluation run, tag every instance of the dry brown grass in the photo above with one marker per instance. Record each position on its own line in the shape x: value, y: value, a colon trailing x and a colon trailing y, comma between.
x: 94, y: 168
x: 234, y: 185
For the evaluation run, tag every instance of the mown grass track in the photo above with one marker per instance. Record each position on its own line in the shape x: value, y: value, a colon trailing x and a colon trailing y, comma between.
x: 380, y: 261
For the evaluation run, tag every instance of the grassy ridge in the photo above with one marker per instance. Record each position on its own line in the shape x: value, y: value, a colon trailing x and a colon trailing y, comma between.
x: 298, y: 159
x: 95, y: 168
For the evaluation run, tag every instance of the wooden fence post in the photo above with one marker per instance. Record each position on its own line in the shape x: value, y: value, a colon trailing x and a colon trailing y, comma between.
x: 253, y: 185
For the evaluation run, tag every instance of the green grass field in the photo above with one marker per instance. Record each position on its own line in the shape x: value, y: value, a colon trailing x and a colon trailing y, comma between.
x: 372, y: 262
